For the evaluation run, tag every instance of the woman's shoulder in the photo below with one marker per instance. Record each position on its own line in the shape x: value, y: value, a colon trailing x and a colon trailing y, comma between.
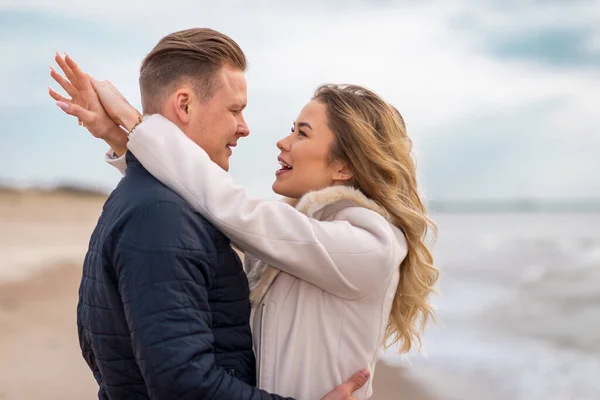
x: 343, y: 203
x: 327, y: 202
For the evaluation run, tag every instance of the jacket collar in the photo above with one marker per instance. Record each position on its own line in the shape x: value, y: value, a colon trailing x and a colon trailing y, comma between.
x: 316, y: 202
x: 130, y: 159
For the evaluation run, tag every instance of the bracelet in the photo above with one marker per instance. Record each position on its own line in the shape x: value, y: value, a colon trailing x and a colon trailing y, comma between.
x: 135, y: 126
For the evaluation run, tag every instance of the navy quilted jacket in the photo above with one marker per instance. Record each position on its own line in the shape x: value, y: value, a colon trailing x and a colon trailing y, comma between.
x: 163, y: 304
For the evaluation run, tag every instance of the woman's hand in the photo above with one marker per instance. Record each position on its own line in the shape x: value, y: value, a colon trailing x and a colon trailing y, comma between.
x: 116, y: 105
x: 85, y: 104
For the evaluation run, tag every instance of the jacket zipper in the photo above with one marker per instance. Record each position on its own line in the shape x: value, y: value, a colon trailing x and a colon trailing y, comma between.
x: 261, y: 344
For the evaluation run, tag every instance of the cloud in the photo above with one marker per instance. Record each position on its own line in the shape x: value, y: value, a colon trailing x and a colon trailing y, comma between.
x: 491, y: 91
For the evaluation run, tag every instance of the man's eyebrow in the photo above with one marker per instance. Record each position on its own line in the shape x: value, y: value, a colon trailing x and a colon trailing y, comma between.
x: 306, y: 124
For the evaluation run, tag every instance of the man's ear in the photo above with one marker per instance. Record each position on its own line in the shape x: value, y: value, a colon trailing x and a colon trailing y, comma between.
x: 182, y: 101
x: 341, y: 172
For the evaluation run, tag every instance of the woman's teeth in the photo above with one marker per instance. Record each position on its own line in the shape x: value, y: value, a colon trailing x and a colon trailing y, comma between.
x: 285, y: 165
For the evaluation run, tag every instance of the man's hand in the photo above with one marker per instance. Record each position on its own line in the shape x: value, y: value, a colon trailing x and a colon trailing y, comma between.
x: 85, y: 104
x: 344, y: 391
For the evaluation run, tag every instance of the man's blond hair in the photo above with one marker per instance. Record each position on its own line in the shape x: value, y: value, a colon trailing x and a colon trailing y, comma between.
x: 190, y: 56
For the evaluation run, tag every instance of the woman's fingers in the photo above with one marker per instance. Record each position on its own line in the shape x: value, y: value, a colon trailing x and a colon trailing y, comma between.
x: 65, y: 84
x: 85, y: 116
x: 82, y: 78
x: 105, y: 92
x: 57, y: 96
x: 66, y: 69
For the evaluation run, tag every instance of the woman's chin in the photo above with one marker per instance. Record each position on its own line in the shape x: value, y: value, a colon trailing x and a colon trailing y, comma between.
x: 281, y: 190
x: 278, y: 189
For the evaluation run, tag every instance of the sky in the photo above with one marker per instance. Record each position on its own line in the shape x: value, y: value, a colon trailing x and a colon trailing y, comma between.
x: 501, y: 98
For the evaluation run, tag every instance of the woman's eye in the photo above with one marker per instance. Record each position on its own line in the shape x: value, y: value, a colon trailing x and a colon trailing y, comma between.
x: 300, y: 132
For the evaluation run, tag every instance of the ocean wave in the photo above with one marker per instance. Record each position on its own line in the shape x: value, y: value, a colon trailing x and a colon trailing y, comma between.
x: 518, y: 369
x: 520, y: 305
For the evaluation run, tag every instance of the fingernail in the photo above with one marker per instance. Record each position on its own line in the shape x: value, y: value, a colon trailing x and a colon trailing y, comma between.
x: 51, y: 69
x: 365, y: 373
x: 63, y: 106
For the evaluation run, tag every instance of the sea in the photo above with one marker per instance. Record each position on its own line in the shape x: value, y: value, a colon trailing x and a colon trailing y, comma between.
x: 519, y: 308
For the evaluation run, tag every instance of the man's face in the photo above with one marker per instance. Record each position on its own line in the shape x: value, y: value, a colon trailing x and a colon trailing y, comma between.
x: 217, y: 123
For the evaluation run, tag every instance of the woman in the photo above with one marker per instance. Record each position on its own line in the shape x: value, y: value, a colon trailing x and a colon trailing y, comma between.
x: 342, y: 269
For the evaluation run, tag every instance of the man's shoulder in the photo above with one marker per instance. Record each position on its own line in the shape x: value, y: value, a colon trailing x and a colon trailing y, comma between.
x: 138, y: 187
x: 155, y: 214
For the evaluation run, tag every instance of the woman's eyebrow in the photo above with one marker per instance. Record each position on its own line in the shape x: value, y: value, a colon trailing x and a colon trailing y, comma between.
x: 306, y: 124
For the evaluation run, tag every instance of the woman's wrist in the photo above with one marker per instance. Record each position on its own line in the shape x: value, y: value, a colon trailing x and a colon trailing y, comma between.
x: 130, y: 119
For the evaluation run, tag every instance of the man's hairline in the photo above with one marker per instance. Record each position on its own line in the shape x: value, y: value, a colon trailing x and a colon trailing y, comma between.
x: 177, y: 84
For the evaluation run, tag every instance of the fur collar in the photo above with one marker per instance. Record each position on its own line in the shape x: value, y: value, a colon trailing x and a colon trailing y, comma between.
x: 313, y: 202
x: 317, y: 204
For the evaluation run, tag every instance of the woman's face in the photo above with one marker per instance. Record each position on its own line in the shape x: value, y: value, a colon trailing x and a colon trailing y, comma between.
x: 304, y: 157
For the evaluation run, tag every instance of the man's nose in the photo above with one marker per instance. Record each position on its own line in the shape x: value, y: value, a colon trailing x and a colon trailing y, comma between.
x: 244, y: 131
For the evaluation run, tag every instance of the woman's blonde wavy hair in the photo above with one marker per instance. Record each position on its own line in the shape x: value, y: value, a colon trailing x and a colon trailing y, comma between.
x: 370, y: 136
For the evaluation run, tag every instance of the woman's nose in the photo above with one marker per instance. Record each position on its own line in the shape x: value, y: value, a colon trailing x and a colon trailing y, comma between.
x: 283, y: 144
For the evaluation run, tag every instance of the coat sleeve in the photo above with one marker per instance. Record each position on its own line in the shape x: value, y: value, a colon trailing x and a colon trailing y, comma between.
x: 350, y: 257
x: 163, y: 278
x: 118, y: 162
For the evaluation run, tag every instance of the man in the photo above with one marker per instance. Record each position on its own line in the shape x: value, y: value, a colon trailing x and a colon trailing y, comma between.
x: 163, y: 307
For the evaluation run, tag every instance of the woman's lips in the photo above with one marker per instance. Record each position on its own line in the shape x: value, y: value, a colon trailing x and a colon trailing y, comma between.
x: 282, y: 171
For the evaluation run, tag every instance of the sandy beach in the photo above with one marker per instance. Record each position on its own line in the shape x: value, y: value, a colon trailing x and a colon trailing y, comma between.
x: 44, y: 237
x: 519, y: 306
x: 39, y: 349
x: 39, y: 352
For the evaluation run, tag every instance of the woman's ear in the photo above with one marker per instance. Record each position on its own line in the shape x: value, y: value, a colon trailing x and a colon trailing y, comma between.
x: 341, y: 171
x: 181, y: 105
